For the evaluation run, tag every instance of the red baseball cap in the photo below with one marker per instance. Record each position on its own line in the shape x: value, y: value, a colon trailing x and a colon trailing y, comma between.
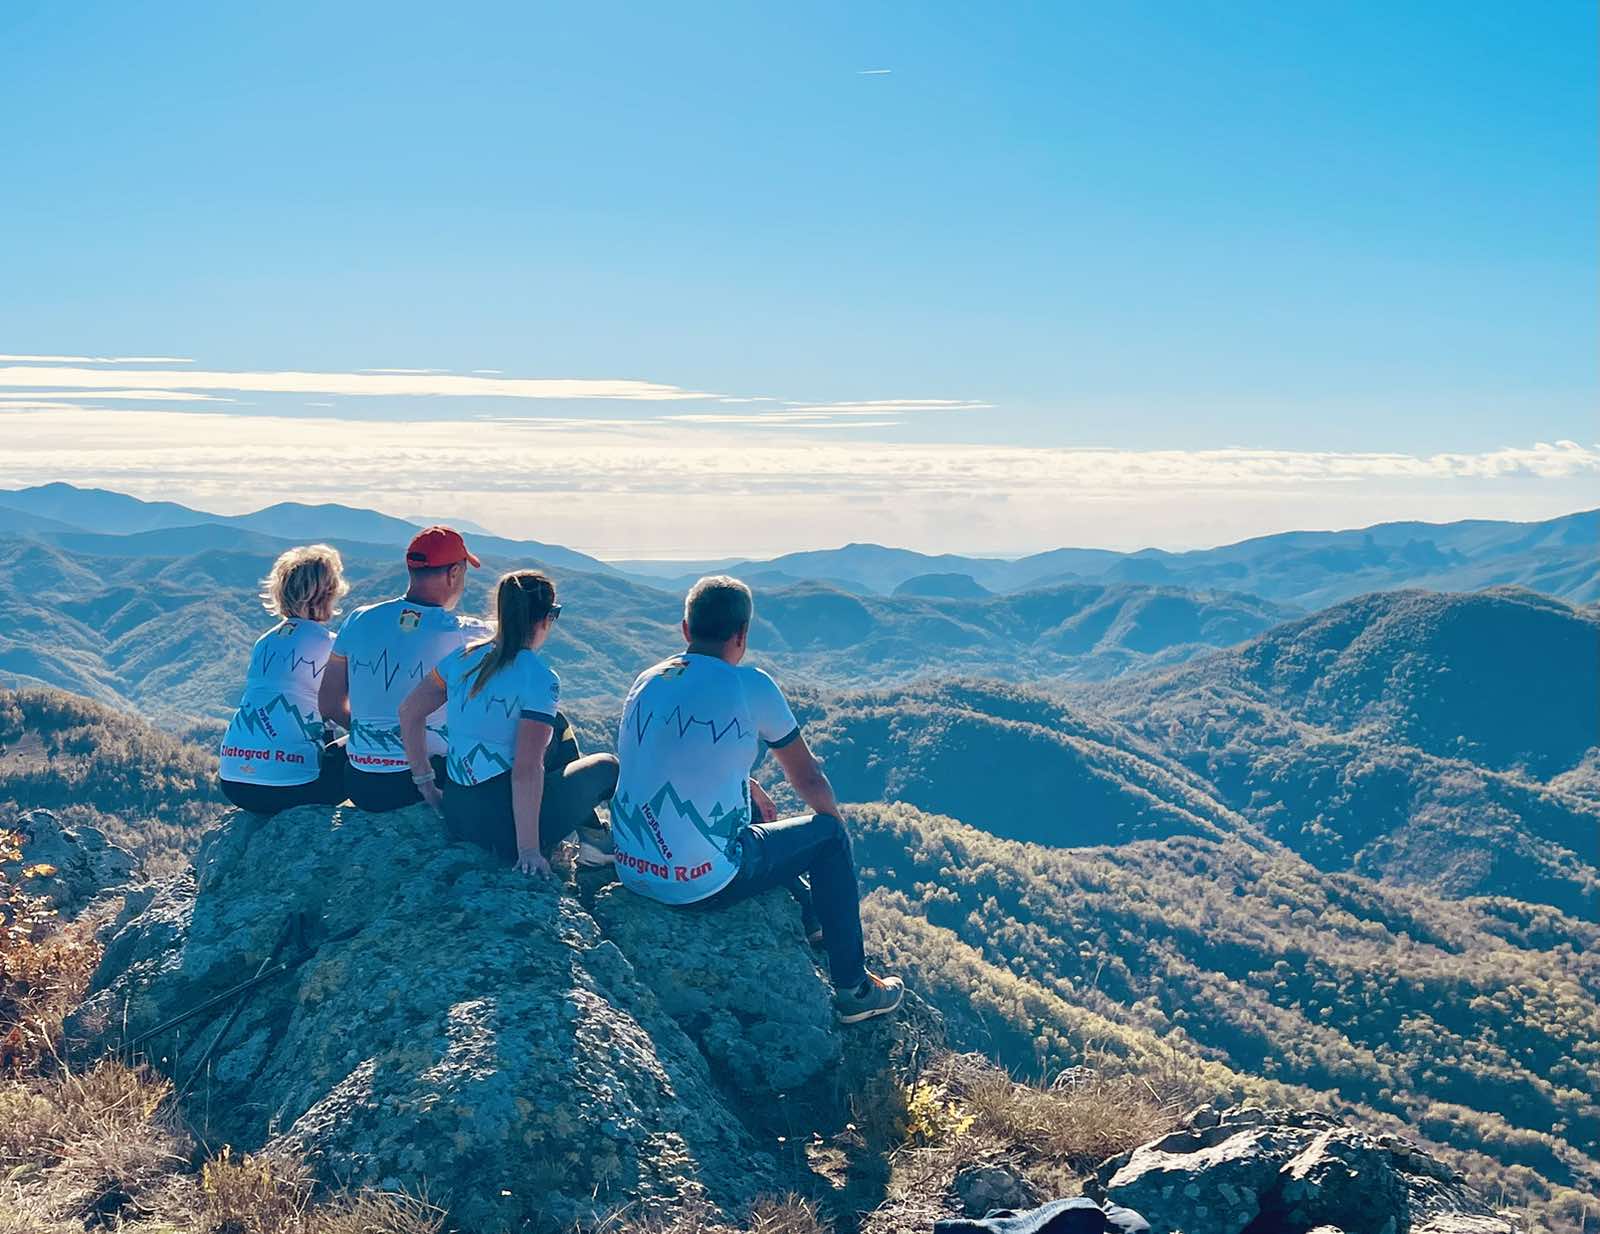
x: 439, y: 546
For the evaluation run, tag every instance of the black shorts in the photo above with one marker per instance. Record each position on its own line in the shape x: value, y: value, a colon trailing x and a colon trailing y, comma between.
x: 378, y: 792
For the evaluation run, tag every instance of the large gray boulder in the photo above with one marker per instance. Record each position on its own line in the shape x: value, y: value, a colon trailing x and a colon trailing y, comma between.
x: 69, y: 866
x: 451, y: 1027
x: 1227, y: 1171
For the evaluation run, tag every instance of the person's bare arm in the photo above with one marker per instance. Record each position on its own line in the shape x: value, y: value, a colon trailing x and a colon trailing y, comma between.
x: 333, y: 694
x: 527, y: 792
x: 422, y: 702
x: 766, y: 810
x: 807, y: 776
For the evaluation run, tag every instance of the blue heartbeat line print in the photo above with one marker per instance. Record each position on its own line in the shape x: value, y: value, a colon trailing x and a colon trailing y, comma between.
x: 269, y: 658
x: 508, y: 706
x: 685, y: 723
x: 382, y: 667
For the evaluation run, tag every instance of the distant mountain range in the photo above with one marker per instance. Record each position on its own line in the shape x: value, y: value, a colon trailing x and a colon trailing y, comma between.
x: 1305, y: 569
x: 114, y: 524
x: 171, y: 634
x: 1368, y: 738
x: 1310, y: 569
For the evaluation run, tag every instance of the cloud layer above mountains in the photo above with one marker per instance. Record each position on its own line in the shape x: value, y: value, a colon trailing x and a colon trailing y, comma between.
x: 665, y: 487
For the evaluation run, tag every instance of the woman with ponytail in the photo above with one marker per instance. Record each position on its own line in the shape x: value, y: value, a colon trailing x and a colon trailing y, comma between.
x: 501, y: 718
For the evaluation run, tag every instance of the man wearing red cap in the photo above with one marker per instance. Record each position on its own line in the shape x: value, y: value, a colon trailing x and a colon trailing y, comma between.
x: 382, y: 651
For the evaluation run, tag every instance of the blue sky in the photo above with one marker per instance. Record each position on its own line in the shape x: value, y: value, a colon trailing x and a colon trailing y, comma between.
x: 1158, y: 231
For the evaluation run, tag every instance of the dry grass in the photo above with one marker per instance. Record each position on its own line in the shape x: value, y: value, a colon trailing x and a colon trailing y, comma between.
x: 786, y: 1214
x: 271, y: 1193
x: 91, y: 1146
x: 103, y: 1148
x: 790, y: 1214
x: 44, y: 967
x: 968, y: 1111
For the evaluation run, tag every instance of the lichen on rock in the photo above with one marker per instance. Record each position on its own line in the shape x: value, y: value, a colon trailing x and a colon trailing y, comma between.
x: 448, y: 1026
x: 1248, y: 1170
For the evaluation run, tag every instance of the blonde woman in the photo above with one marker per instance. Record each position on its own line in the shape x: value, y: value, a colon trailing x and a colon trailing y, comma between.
x: 275, y: 754
x: 512, y: 785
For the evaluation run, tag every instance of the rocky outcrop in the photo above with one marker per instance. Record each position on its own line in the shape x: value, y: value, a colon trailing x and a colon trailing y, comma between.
x: 1248, y: 1170
x: 69, y: 866
x: 436, y: 1022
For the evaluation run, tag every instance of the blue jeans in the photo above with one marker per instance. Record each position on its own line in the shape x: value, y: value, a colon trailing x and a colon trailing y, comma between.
x: 776, y: 854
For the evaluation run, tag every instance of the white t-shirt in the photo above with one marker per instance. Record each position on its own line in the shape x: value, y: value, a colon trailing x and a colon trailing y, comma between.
x: 483, y: 726
x: 275, y: 736
x: 390, y: 647
x: 691, y: 731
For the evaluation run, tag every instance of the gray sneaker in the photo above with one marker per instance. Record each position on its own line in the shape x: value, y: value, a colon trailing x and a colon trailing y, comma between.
x: 873, y: 997
x: 594, y: 848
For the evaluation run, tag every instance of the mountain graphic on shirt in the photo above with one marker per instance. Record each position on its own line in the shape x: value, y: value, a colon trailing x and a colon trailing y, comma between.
x: 632, y: 821
x: 257, y: 720
x: 376, y: 736
x: 463, y: 768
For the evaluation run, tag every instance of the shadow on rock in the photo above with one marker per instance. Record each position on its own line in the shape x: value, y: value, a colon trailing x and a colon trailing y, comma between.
x: 449, y: 1027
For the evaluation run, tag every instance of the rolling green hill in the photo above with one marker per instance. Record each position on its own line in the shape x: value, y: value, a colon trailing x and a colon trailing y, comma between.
x: 1444, y: 741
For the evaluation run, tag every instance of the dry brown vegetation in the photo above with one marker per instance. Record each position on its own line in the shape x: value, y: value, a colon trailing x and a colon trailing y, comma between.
x: 966, y: 1111
x: 786, y: 1214
x: 102, y: 1147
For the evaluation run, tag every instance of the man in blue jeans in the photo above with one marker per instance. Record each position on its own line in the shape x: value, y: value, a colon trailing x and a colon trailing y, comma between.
x: 688, y: 824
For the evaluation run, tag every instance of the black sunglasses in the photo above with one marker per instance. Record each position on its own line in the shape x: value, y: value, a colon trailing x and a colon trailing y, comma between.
x: 555, y: 611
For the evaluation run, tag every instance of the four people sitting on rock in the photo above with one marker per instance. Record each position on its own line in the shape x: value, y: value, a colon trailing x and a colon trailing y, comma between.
x: 445, y: 709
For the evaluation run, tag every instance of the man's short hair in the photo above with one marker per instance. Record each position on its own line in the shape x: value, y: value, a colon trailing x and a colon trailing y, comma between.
x: 717, y: 608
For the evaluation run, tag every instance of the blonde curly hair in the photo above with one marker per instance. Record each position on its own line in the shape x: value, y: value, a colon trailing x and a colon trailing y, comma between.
x: 305, y: 582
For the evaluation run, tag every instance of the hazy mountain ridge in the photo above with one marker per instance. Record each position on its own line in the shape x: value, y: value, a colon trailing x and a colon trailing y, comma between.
x: 172, y: 634
x: 1307, y: 569
x: 113, y: 524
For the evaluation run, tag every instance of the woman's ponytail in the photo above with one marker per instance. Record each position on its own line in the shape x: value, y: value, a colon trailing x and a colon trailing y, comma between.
x: 522, y: 599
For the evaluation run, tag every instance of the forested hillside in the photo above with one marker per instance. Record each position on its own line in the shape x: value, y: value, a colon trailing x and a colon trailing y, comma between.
x: 148, y: 790
x: 1475, y: 1022
x: 1184, y: 943
x: 1437, y: 740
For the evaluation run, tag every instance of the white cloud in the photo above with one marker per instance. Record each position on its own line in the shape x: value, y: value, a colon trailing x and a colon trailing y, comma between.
x: 165, y: 396
x: 362, y: 384
x: 882, y: 405
x: 95, y: 359
x: 707, y: 489
x: 779, y: 420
